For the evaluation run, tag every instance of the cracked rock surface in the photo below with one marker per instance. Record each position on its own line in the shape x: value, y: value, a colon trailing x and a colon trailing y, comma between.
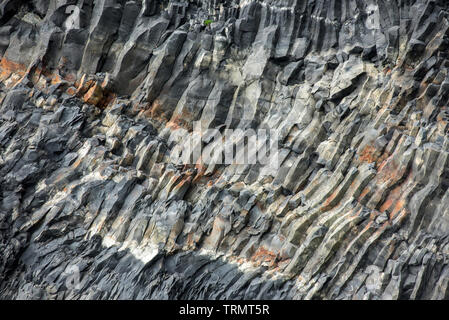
x: 357, y: 92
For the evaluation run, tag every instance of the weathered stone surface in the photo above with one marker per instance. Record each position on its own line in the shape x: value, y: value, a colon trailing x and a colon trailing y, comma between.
x: 92, y: 206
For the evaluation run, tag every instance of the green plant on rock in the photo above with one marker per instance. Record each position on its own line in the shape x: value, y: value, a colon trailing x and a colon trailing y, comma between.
x: 208, y: 22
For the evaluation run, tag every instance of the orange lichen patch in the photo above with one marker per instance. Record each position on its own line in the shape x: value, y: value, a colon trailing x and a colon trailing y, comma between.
x: 11, y: 67
x: 443, y: 123
x: 292, y: 134
x: 190, y: 240
x: 140, y: 108
x: 381, y: 160
x: 16, y: 72
x: 201, y: 169
x: 87, y: 89
x: 328, y: 203
x: 409, y: 68
x: 77, y: 163
x: 387, y: 204
x: 260, y: 205
x: 440, y: 116
x: 364, y: 193
x: 180, y: 120
x: 400, y: 204
x: 355, y: 213
x: 105, y: 83
x: 282, y: 264
x: 392, y: 198
x: 402, y: 215
x: 176, y: 123
x: 382, y: 228
x: 368, y: 226
x: 84, y: 85
x: 39, y: 79
x: 8, y: 68
x: 156, y: 112
x: 331, y: 197
x: 185, y: 181
x: 52, y: 76
x: 71, y: 91
x: 108, y: 99
x: 94, y: 95
x: 263, y: 255
x: 97, y: 96
x: 369, y: 154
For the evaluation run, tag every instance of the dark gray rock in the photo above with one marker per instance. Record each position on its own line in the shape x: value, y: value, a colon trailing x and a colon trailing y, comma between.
x: 93, y: 205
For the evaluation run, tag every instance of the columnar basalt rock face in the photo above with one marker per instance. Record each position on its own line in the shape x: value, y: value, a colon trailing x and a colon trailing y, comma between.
x: 357, y: 91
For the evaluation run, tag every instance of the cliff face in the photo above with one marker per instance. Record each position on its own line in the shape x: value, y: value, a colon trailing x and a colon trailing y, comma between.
x: 93, y: 206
